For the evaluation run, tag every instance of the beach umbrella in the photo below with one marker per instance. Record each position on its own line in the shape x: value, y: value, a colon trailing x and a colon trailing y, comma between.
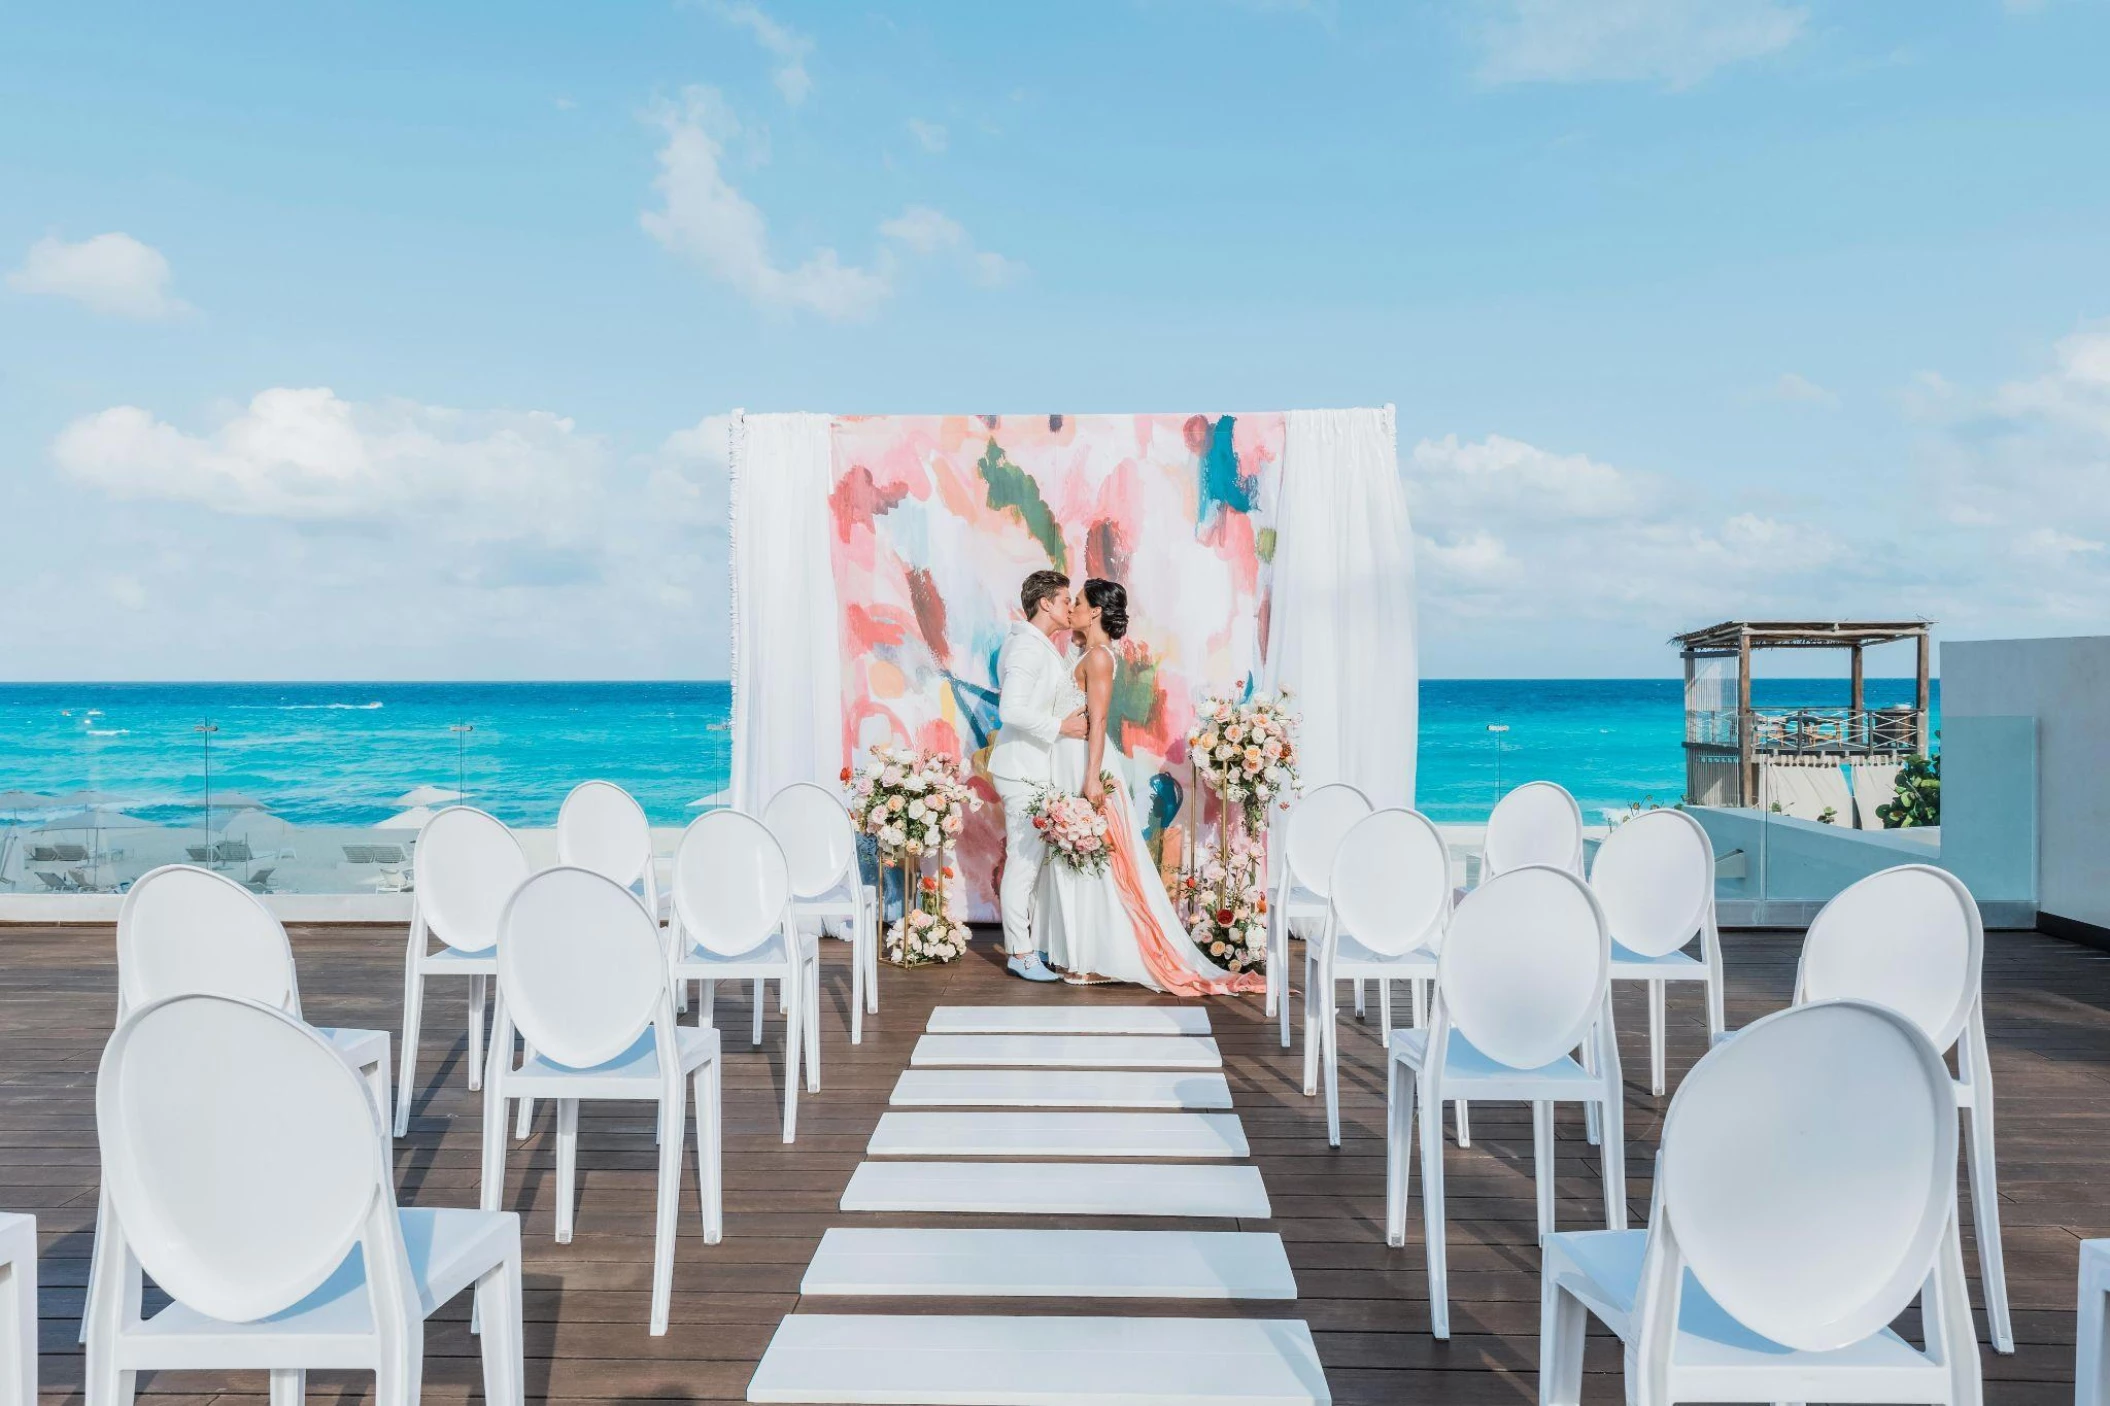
x: 428, y: 796
x: 716, y: 798
x: 235, y: 800
x: 18, y: 802
x: 81, y: 800
x: 412, y: 819
x: 97, y: 818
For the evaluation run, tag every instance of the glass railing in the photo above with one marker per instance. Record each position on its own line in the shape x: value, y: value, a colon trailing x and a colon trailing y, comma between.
x: 321, y: 789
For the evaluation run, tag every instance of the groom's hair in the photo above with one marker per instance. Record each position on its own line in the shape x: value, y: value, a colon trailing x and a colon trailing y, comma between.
x: 1037, y: 588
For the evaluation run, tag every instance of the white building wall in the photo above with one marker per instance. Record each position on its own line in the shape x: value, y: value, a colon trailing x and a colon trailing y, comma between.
x: 2064, y: 684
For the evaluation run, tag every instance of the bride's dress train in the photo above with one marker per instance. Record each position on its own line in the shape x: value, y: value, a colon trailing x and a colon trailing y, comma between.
x: 1120, y: 923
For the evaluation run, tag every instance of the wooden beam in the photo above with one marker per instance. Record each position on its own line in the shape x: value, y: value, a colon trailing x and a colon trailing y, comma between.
x: 1692, y: 792
x: 1921, y: 692
x: 1746, y: 748
x: 1857, y: 706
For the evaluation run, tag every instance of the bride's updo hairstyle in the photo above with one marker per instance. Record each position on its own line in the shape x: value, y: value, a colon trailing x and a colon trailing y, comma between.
x: 1110, y: 599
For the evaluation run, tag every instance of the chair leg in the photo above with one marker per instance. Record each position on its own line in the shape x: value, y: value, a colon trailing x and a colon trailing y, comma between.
x: 479, y: 989
x: 1612, y: 1157
x: 761, y: 988
x: 1985, y: 1225
x: 1419, y: 996
x: 1400, y: 1085
x: 1330, y: 1036
x: 792, y: 1044
x: 1360, y: 993
x: 706, y: 1001
x: 98, y: 1265
x: 809, y: 991
x: 494, y: 1135
x: 498, y: 1313
x: 872, y: 966
x: 1312, y: 1007
x: 1655, y: 1038
x: 525, y: 1121
x: 1432, y: 1218
x: 1591, y: 1127
x: 18, y: 1315
x: 567, y: 1164
x: 857, y: 982
x: 106, y: 1383
x: 1278, y: 959
x: 1384, y: 1011
x: 710, y: 1153
x: 1465, y: 1123
x: 1542, y: 1165
x: 407, y: 1061
x: 1563, y: 1326
x: 378, y: 1087
x: 673, y: 1116
x: 289, y: 1386
x: 2091, y: 1369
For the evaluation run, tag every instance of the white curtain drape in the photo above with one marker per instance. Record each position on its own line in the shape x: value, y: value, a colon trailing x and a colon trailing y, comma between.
x: 1341, y: 635
x: 787, y: 662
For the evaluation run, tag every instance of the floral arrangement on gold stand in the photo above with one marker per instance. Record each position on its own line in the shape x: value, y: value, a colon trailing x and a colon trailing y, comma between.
x: 913, y: 803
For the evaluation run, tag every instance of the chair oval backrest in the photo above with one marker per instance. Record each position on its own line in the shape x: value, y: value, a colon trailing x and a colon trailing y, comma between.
x: 1809, y: 1167
x: 1391, y: 882
x: 601, y: 827
x: 1537, y: 823
x: 468, y: 865
x: 731, y: 883
x: 1909, y: 938
x: 1524, y: 965
x: 580, y: 965
x: 240, y: 1152
x: 1321, y: 818
x: 819, y: 842
x: 182, y: 929
x: 1654, y: 875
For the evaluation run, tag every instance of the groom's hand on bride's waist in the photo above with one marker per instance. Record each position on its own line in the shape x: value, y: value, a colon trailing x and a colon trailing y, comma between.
x: 1073, y: 725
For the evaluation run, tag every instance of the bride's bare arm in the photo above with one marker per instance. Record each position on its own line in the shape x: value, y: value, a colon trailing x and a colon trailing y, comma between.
x: 1098, y: 701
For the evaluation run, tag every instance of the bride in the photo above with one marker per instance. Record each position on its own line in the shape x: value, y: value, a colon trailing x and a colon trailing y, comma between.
x: 1117, y: 925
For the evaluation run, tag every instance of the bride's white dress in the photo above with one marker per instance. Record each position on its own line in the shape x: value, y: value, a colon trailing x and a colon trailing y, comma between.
x: 1082, y: 921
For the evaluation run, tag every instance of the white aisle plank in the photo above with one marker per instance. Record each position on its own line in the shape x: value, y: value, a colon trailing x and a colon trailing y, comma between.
x: 1069, y: 1133
x: 1068, y: 1020
x: 1097, y: 1264
x: 856, y: 1360
x: 1059, y: 1189
x: 1067, y: 1052
x: 1059, y: 1088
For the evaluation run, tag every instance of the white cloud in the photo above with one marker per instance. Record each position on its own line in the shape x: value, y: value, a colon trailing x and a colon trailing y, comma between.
x: 1510, y: 532
x: 708, y: 220
x: 704, y: 217
x: 932, y: 136
x: 307, y: 456
x: 1798, y: 389
x: 111, y: 273
x: 787, y: 46
x: 1674, y: 42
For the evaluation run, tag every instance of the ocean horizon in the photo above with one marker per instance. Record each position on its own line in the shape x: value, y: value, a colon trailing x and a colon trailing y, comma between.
x: 340, y: 753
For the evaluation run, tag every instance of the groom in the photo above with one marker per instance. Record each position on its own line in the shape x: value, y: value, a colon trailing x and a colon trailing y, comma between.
x: 1030, y: 671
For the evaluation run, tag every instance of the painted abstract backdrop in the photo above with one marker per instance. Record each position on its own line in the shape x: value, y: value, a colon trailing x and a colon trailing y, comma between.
x: 938, y: 518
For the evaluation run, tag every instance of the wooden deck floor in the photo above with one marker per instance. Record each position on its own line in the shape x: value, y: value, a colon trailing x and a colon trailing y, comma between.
x: 2049, y: 1013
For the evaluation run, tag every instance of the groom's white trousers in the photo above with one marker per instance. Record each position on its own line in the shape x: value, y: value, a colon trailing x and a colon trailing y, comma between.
x: 1024, y: 854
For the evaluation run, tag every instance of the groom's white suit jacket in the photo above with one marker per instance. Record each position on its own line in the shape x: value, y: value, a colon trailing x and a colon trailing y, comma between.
x: 1030, y: 675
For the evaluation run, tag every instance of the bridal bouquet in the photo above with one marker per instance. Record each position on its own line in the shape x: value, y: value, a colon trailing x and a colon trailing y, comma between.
x: 910, y: 800
x: 1226, y: 903
x: 932, y: 930
x: 1074, y: 832
x: 1245, y: 750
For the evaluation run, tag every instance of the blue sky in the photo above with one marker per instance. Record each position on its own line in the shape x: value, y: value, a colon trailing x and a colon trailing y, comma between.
x: 384, y: 341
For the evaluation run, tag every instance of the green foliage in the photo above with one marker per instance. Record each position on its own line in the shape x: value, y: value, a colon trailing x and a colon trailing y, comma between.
x: 1918, y: 799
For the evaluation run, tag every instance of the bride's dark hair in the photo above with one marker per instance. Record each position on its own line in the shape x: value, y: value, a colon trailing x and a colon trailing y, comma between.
x: 1110, y: 599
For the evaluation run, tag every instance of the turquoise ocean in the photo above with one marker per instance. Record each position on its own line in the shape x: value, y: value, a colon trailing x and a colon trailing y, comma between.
x: 341, y: 753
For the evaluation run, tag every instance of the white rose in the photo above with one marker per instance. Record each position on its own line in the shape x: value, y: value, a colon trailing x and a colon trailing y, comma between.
x: 915, y: 810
